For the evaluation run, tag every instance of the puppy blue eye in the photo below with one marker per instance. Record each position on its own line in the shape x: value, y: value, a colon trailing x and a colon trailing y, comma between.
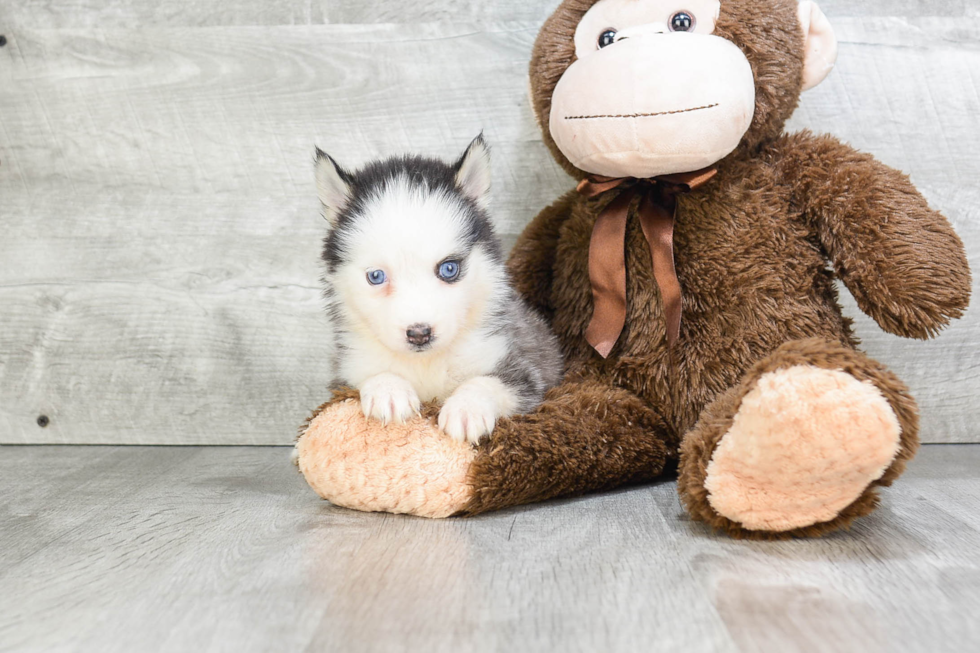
x: 607, y: 38
x: 448, y: 270
x: 681, y: 22
x: 376, y: 277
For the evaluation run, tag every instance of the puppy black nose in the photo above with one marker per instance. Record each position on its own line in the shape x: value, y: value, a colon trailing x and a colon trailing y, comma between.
x: 419, y: 334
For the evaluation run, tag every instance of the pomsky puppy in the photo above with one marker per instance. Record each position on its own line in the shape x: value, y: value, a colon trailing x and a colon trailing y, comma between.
x: 418, y: 295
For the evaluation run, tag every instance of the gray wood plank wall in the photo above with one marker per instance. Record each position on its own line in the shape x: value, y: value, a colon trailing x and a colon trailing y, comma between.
x: 158, y: 258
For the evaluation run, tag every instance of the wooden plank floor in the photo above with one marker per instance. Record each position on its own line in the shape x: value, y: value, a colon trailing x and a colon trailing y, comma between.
x: 199, y: 549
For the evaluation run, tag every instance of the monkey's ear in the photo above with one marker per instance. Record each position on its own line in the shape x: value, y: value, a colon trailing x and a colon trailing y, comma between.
x: 820, y: 44
x: 332, y: 186
x: 473, y: 172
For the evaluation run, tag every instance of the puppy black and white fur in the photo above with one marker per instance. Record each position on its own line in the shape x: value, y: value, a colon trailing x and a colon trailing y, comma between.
x: 419, y: 299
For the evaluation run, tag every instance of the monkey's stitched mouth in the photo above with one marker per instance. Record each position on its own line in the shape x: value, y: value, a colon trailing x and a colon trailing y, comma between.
x: 643, y: 115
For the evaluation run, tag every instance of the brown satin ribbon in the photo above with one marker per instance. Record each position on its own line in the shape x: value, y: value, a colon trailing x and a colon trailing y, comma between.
x: 607, y: 250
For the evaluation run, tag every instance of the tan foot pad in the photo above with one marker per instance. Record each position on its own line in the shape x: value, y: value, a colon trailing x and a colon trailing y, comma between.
x: 805, y: 444
x: 410, y: 468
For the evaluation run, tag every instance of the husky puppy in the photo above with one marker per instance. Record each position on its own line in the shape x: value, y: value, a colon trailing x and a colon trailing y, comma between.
x: 418, y: 295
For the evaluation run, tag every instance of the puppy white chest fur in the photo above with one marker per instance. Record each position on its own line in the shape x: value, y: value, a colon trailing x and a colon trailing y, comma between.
x: 434, y: 375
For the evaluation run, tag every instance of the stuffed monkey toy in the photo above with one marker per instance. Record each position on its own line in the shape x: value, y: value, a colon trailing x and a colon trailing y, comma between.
x: 690, y: 281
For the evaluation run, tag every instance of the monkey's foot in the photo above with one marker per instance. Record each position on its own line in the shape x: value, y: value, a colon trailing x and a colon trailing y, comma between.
x: 798, y: 448
x: 411, y: 468
x: 805, y: 444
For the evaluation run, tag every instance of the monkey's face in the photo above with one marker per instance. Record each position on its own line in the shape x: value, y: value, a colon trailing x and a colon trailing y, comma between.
x: 667, y: 86
x: 652, y: 91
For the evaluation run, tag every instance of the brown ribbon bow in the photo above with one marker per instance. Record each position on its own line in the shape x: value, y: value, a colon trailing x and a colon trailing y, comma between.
x: 607, y: 251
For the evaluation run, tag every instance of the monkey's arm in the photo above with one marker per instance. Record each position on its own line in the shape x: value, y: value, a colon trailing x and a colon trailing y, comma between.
x: 532, y: 261
x: 901, y: 260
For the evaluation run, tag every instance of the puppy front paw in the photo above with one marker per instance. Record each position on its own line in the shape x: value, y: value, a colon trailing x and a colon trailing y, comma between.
x: 389, y: 398
x: 468, y: 415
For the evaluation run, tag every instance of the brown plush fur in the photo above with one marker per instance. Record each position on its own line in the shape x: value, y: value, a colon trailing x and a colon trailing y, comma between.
x: 582, y: 439
x: 757, y: 250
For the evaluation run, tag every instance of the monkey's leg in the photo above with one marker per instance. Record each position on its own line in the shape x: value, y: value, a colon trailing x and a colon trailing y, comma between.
x: 799, y: 447
x: 587, y: 436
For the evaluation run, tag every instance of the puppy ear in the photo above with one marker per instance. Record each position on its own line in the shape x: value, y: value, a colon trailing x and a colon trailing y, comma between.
x: 820, y: 44
x: 332, y: 186
x: 473, y: 172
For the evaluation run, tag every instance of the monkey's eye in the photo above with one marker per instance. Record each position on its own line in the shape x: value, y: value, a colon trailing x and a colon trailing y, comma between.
x: 448, y: 271
x: 682, y: 21
x: 607, y: 38
x: 376, y: 277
